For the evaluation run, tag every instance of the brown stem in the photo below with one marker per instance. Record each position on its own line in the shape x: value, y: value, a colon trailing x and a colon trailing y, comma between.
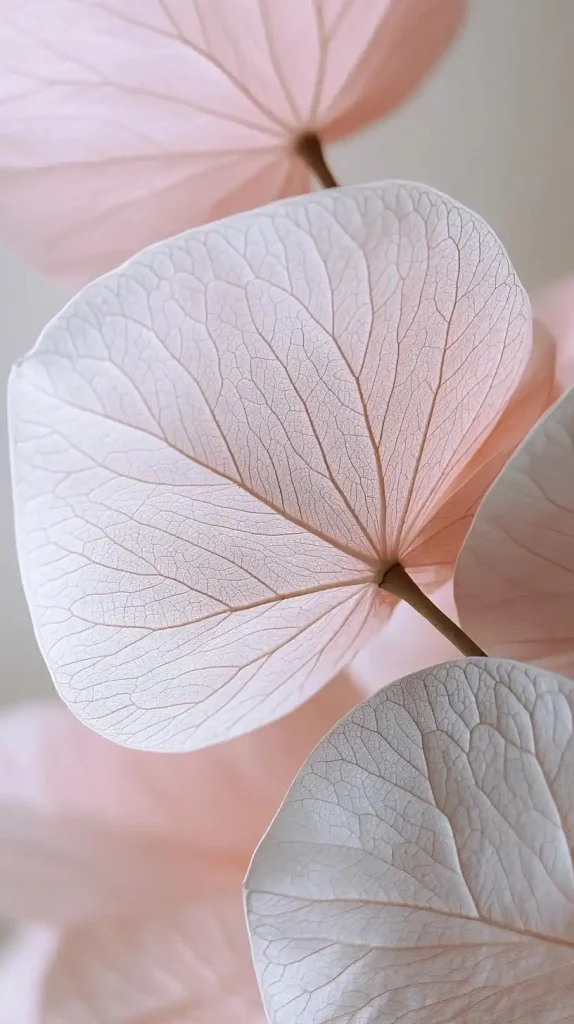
x: 310, y: 150
x: 398, y: 582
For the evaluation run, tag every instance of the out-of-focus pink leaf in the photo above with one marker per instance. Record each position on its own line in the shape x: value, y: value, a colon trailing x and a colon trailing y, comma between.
x: 190, y: 966
x: 554, y: 306
x: 60, y: 871
x: 88, y: 828
x: 123, y: 123
x: 88, y: 832
x: 514, y: 579
x: 420, y: 868
x: 220, y: 448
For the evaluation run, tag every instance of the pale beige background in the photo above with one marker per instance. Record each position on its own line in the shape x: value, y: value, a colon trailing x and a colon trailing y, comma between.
x: 493, y: 126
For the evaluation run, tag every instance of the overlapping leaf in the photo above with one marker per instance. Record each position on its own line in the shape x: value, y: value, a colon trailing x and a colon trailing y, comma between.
x: 420, y: 870
x: 514, y: 580
x: 191, y: 965
x: 89, y: 829
x: 220, y: 448
x: 122, y: 123
x: 135, y: 861
x: 554, y: 306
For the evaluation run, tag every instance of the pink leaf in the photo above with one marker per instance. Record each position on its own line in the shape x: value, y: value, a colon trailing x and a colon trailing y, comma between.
x: 420, y: 869
x: 121, y: 124
x: 172, y: 950
x: 408, y: 643
x: 514, y: 580
x: 190, y: 966
x: 221, y: 447
x: 88, y: 828
x: 61, y: 870
x: 554, y: 306
x: 431, y: 557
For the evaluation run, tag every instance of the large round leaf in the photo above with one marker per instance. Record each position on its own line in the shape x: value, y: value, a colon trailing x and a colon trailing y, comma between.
x: 220, y: 448
x: 420, y: 869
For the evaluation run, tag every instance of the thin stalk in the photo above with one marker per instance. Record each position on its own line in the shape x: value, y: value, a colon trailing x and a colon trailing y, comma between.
x: 310, y: 150
x: 398, y: 582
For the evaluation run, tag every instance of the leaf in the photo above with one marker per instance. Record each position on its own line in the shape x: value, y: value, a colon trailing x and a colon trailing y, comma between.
x: 514, y: 580
x: 554, y: 307
x: 532, y: 396
x: 190, y: 964
x: 420, y: 869
x: 88, y: 828
x: 60, y: 870
x: 147, y: 937
x: 408, y: 643
x: 220, y: 448
x: 122, y: 124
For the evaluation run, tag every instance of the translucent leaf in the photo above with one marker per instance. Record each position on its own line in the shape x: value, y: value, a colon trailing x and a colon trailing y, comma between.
x: 420, y: 869
x: 220, y: 448
x: 122, y: 123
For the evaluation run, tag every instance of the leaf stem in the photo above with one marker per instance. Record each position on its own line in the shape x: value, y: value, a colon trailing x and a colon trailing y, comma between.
x: 398, y: 582
x: 309, y: 148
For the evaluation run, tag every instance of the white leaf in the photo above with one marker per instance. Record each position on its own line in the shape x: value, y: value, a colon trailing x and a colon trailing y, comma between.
x: 420, y: 869
x: 220, y: 448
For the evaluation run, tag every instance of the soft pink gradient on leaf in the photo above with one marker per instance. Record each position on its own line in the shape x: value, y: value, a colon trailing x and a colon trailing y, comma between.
x: 446, y: 530
x: 175, y: 946
x: 123, y: 123
x: 408, y: 643
x: 220, y: 448
x: 554, y: 306
x: 514, y: 579
x: 420, y: 869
